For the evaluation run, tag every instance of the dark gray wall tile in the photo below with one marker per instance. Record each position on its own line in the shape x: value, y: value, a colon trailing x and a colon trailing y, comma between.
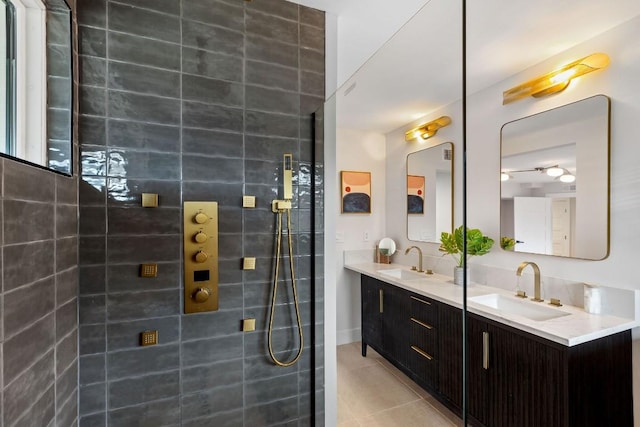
x: 93, y: 420
x: 67, y: 318
x: 93, y: 250
x: 165, y: 6
x: 207, y: 377
x: 126, y: 277
x: 268, y: 124
x: 212, y: 91
x: 92, y: 339
x: 19, y: 217
x: 92, y: 369
x: 272, y: 100
x: 213, y: 400
x: 67, y: 190
x: 211, y: 169
x: 139, y: 220
x: 66, y: 253
x: 269, y: 149
x: 268, y: 50
x: 92, y: 42
x: 146, y: 136
x: 124, y: 335
x: 313, y: 17
x: 270, y: 26
x: 93, y: 71
x: 42, y: 412
x: 28, y: 183
x: 271, y: 75
x: 123, y: 105
x: 127, y: 363
x: 93, y: 220
x: 161, y: 413
x: 211, y: 38
x: 66, y: 352
x: 68, y: 411
x: 19, y: 395
x: 312, y: 83
x: 91, y: 130
x: 197, y: 326
x: 92, y: 279
x: 142, y: 249
x: 283, y: 9
x: 146, y: 80
x: 133, y: 391
x: 92, y: 309
x: 205, y: 116
x: 215, y: 12
x: 144, y: 165
x: 66, y: 221
x: 128, y: 192
x: 26, y: 263
x: 92, y: 12
x: 143, y: 22
x: 312, y: 37
x: 155, y: 304
x: 93, y: 163
x: 139, y: 50
x: 229, y: 419
x: 27, y: 304
x: 66, y: 384
x: 26, y: 347
x: 212, y: 64
x: 209, y: 143
x: 212, y: 350
x: 92, y: 398
x: 272, y: 413
x: 93, y: 101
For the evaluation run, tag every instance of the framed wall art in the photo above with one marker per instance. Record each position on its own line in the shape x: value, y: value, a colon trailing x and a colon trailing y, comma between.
x: 355, y: 191
x: 415, y: 194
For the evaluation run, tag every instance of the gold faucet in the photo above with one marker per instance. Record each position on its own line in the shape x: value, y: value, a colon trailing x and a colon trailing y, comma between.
x: 420, y: 270
x: 536, y: 278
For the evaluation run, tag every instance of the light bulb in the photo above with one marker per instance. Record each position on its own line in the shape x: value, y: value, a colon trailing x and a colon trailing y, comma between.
x: 567, y: 178
x: 504, y: 177
x: 555, y: 171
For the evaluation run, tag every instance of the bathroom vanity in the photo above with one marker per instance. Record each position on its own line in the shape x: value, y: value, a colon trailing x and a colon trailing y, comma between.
x: 529, y: 364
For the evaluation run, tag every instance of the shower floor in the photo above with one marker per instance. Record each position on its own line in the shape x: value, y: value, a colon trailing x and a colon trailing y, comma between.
x: 374, y: 393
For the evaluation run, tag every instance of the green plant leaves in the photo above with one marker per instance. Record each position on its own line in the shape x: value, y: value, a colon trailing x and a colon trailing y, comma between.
x: 477, y: 243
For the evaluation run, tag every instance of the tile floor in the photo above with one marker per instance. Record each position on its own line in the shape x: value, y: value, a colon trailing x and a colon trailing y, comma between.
x: 374, y: 393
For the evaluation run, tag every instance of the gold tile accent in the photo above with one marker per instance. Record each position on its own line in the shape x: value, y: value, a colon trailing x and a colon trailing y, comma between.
x: 248, y: 325
x: 249, y: 201
x: 149, y: 200
x: 249, y: 263
x: 148, y: 270
x: 148, y: 338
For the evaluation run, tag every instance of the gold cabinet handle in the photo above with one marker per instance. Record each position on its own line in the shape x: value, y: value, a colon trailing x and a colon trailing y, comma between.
x: 421, y: 300
x: 424, y: 325
x: 485, y: 350
x: 422, y: 352
x: 381, y: 294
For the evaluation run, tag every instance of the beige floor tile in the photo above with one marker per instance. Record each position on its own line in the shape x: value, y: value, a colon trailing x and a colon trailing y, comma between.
x: 415, y: 414
x: 373, y: 392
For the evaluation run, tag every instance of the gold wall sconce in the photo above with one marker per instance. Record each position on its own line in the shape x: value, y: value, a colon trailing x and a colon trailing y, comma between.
x: 556, y: 81
x: 427, y: 130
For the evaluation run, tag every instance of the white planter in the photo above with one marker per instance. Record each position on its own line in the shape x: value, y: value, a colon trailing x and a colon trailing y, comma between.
x: 458, y: 276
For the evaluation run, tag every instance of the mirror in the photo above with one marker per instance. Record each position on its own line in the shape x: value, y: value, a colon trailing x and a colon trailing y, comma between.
x: 555, y: 181
x: 430, y: 193
x: 387, y: 246
x: 37, y: 84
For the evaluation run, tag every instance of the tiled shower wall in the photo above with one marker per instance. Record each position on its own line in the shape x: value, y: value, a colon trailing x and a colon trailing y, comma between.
x: 196, y: 100
x: 38, y: 297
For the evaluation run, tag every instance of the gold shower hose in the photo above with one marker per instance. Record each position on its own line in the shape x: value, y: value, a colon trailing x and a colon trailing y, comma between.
x: 275, y: 291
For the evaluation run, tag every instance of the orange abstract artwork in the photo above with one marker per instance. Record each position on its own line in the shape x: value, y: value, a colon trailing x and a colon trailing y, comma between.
x: 415, y: 194
x: 356, y: 192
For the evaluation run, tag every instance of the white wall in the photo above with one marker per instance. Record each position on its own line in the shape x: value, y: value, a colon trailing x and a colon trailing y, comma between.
x: 357, y: 151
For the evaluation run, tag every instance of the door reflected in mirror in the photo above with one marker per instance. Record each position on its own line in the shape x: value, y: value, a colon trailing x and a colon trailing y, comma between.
x: 555, y: 181
x: 430, y: 193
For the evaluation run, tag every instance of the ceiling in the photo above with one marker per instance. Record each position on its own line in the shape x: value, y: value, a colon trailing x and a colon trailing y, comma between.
x: 419, y: 69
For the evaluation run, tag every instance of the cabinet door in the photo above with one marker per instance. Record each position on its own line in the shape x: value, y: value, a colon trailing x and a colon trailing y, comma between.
x: 450, y: 352
x: 395, y: 337
x: 525, y: 380
x: 372, y: 311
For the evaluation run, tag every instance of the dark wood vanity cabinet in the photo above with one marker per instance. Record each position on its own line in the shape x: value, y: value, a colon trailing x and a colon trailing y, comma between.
x: 515, y: 378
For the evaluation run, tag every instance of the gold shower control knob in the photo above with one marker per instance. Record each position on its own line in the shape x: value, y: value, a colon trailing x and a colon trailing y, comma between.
x: 200, y: 237
x: 201, y: 218
x: 201, y: 295
x: 201, y: 256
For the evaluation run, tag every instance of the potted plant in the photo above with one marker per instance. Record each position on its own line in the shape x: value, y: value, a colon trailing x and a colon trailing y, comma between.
x: 507, y: 243
x: 452, y: 243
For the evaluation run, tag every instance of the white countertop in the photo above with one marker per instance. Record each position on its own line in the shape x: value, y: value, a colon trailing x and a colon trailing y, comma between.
x: 575, y: 328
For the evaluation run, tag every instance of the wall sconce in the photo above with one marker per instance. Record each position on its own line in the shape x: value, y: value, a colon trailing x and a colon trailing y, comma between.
x: 427, y: 130
x: 556, y: 81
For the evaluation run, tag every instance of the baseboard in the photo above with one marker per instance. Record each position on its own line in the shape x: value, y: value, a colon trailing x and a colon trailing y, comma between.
x: 347, y: 336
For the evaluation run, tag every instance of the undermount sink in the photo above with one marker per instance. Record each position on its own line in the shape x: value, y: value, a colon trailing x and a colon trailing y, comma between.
x: 530, y: 310
x: 401, y: 274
